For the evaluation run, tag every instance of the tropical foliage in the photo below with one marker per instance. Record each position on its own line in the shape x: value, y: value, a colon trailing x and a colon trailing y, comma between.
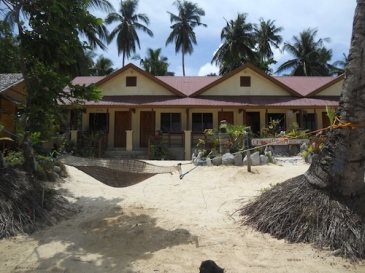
x: 155, y: 63
x: 245, y: 42
x: 9, y: 54
x: 125, y: 32
x: 102, y: 67
x: 311, y: 57
x: 182, y: 33
x: 238, y: 45
x: 48, y: 44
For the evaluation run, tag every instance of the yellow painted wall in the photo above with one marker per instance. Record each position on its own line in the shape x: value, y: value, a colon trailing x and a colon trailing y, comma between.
x: 333, y: 90
x: 145, y: 86
x: 7, y: 119
x: 238, y: 118
x: 260, y: 86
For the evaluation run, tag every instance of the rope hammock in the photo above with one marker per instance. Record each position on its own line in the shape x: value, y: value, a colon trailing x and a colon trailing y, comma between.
x: 133, y: 166
x: 116, y: 172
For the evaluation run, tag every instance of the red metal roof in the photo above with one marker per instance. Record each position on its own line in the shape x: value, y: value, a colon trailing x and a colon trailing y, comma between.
x: 192, y: 87
x: 304, y: 85
x: 87, y: 80
x: 215, y: 101
x: 188, y: 85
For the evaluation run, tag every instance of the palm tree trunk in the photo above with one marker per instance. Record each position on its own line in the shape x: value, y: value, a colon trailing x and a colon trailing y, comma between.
x: 183, y: 62
x: 340, y: 165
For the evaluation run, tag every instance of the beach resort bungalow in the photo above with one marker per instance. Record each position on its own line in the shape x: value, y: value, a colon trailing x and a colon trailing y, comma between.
x: 136, y: 105
x: 12, y: 94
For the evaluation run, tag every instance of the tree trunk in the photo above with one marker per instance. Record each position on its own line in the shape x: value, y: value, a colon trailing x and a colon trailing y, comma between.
x: 2, y: 163
x: 340, y: 165
x: 183, y: 61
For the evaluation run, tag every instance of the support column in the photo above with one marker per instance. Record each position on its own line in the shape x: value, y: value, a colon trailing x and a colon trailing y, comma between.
x: 129, y: 141
x: 187, y: 145
x: 74, y: 135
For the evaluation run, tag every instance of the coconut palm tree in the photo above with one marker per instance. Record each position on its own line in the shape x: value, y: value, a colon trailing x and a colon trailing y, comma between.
x: 102, y: 67
x: 310, y: 56
x: 126, y: 31
x: 238, y: 45
x: 155, y: 63
x: 325, y: 205
x: 340, y: 65
x: 182, y: 33
x: 266, y: 35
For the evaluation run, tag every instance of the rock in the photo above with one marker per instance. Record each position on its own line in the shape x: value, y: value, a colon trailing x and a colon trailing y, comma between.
x: 217, y: 161
x: 264, y: 159
x: 228, y: 159
x: 209, y: 161
x: 255, y: 159
x: 238, y: 159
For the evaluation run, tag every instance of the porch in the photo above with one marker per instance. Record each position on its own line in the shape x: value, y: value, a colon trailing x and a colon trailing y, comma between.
x: 180, y: 145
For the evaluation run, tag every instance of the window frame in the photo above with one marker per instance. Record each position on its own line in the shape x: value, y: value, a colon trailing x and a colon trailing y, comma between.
x: 245, y: 81
x: 205, y: 124
x: 131, y: 81
x: 171, y: 127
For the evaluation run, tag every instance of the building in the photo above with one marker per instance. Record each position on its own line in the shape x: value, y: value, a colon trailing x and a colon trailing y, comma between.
x: 136, y: 104
x: 12, y: 94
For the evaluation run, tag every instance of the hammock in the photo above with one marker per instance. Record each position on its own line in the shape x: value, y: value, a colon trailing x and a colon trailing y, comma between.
x: 127, y: 165
x: 116, y: 172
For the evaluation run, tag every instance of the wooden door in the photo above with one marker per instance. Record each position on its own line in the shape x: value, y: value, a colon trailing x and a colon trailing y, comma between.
x: 325, y: 120
x: 147, y: 127
x: 253, y: 120
x: 122, y: 123
x: 227, y: 116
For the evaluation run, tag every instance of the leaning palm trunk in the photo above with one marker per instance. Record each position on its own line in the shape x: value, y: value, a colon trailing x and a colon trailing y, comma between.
x: 340, y: 165
x: 325, y: 206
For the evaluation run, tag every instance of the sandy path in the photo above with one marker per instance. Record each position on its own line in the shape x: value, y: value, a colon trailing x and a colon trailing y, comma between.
x: 165, y: 224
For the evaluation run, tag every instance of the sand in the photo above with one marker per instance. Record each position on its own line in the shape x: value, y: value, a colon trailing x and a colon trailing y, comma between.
x: 164, y: 224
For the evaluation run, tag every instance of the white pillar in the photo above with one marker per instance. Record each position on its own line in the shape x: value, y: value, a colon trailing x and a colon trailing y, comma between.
x: 187, y: 145
x: 74, y: 135
x: 129, y: 144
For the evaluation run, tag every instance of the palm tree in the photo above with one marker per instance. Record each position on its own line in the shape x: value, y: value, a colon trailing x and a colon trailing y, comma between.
x: 102, y: 67
x: 310, y: 56
x: 266, y: 35
x: 182, y: 33
x: 238, y: 45
x: 340, y: 65
x: 155, y: 63
x: 126, y: 31
x: 326, y: 203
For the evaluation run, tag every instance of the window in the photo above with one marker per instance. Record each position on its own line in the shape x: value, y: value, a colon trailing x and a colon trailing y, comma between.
x: 170, y: 122
x: 245, y: 81
x: 131, y: 81
x: 202, y: 121
x: 98, y: 121
x: 309, y: 121
x: 280, y: 118
x: 306, y: 121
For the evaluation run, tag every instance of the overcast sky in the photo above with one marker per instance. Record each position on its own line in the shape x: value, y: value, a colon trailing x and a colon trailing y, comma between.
x: 332, y: 19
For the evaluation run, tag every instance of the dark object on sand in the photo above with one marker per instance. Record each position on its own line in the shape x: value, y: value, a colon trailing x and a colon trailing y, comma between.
x: 210, y: 266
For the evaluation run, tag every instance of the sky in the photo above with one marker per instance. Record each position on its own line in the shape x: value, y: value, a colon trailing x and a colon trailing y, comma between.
x: 331, y: 18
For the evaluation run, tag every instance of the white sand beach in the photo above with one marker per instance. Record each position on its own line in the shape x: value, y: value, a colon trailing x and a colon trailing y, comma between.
x: 164, y: 224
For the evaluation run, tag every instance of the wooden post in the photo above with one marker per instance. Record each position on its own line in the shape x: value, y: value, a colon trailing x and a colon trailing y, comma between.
x: 248, y: 154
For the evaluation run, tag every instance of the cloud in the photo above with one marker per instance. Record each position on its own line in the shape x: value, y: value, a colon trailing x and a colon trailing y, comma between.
x: 208, y: 68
